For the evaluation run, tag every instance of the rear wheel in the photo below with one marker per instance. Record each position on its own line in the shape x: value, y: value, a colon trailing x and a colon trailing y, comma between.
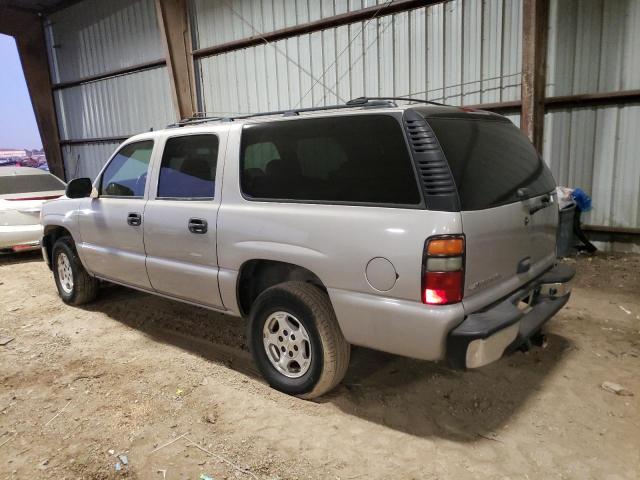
x: 296, y: 341
x: 75, y: 285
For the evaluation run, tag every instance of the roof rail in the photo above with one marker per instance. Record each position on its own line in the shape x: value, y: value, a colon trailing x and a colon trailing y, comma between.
x: 367, y: 100
x: 360, y: 102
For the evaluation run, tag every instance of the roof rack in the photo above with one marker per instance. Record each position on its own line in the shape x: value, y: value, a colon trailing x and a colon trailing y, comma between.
x: 367, y: 102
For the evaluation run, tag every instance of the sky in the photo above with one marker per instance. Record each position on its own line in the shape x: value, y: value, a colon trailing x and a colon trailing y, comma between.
x: 18, y: 128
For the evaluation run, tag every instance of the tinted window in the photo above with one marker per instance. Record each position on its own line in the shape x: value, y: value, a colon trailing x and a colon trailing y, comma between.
x: 11, y: 184
x: 490, y: 160
x: 353, y: 159
x: 188, y: 168
x: 126, y: 175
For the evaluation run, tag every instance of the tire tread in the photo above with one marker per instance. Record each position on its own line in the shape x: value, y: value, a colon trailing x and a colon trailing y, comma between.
x: 86, y: 286
x: 336, y: 350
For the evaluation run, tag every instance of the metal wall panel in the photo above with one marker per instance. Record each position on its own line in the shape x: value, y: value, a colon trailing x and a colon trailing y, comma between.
x: 86, y: 160
x: 594, y: 46
x: 515, y: 118
x: 117, y: 106
x: 458, y: 51
x: 221, y: 21
x: 597, y: 149
x: 94, y: 36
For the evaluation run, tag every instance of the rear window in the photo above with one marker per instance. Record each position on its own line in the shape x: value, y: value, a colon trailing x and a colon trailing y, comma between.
x: 29, y: 183
x: 352, y: 159
x: 490, y: 160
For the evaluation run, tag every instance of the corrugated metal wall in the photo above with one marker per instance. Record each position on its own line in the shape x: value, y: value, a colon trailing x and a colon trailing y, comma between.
x: 594, y: 46
x: 460, y: 52
x: 457, y: 52
x: 86, y: 160
x: 95, y: 37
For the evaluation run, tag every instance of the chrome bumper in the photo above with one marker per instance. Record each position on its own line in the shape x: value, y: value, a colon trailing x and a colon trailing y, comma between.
x: 484, y: 337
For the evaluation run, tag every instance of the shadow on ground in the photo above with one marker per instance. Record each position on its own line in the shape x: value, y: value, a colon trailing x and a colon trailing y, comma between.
x: 416, y: 397
x: 22, y: 257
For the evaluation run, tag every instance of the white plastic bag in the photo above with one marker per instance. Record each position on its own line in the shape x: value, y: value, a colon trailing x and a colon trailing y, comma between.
x: 564, y: 197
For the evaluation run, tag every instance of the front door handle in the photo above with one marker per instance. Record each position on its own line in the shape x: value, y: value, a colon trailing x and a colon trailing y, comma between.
x: 134, y: 219
x: 198, y: 225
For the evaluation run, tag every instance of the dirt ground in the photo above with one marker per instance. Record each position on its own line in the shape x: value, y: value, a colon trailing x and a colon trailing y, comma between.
x: 131, y: 373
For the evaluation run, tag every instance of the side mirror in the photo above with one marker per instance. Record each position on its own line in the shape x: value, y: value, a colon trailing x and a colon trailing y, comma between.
x: 79, y: 188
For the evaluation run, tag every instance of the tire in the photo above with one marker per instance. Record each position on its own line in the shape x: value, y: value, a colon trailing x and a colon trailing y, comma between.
x: 288, y: 304
x: 83, y: 288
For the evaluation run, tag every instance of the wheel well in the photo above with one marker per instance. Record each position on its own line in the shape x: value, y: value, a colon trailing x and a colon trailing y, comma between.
x: 51, y: 234
x: 257, y: 275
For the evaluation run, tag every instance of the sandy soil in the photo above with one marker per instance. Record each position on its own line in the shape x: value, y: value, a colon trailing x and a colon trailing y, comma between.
x: 132, y: 372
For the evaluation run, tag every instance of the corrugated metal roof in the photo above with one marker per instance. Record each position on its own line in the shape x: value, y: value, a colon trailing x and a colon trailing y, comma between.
x: 35, y: 5
x: 94, y: 37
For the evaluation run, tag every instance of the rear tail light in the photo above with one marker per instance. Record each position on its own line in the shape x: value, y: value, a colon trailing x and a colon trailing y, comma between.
x: 443, y: 270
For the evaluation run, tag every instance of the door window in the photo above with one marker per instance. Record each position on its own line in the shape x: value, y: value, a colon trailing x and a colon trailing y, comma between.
x: 126, y: 174
x: 188, y: 168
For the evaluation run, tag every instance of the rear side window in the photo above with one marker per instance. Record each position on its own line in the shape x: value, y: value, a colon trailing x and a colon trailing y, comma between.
x: 490, y: 160
x: 11, y: 184
x: 126, y: 174
x: 188, y: 168
x: 352, y: 159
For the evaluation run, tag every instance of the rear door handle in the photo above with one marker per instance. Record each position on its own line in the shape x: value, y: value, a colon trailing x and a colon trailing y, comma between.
x: 134, y: 219
x: 198, y: 225
x: 544, y: 203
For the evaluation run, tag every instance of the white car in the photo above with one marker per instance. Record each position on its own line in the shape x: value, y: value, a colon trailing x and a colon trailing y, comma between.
x: 23, y: 190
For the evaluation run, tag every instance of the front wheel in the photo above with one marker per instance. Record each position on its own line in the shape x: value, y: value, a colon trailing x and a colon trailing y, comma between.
x: 296, y: 341
x: 75, y: 285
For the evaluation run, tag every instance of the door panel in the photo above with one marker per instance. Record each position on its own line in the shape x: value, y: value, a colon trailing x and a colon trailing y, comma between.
x: 111, y: 225
x: 180, y: 219
x: 112, y: 248
x: 180, y: 262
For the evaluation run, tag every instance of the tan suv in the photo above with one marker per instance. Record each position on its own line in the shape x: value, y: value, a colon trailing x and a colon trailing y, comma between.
x: 421, y: 230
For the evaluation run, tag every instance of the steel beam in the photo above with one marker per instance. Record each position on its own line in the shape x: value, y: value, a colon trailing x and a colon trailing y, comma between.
x: 28, y: 31
x: 112, y: 73
x: 534, y: 52
x: 593, y: 99
x: 173, y: 21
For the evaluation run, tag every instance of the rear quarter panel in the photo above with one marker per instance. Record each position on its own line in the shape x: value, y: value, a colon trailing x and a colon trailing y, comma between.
x: 336, y: 242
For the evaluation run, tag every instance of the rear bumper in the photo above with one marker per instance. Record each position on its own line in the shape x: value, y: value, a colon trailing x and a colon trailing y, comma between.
x: 483, y: 337
x: 25, y: 236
